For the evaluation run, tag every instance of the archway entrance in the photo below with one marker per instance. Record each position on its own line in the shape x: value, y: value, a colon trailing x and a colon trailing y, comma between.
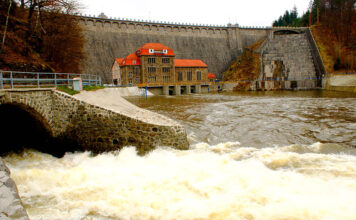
x: 23, y: 128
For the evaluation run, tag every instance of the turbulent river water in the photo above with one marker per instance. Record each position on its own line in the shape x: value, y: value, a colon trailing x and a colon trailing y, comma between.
x: 277, y: 155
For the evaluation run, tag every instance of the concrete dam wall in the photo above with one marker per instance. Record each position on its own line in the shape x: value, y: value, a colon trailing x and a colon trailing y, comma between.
x: 107, y: 39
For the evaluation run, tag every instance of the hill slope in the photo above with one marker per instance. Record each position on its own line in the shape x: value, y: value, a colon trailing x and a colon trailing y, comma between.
x: 246, y: 67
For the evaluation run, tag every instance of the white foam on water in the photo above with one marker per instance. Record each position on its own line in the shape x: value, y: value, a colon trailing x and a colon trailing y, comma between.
x: 224, y: 181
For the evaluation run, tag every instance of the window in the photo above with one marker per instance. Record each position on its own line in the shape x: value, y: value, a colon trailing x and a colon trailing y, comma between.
x: 151, y: 50
x: 166, y: 69
x: 137, y: 70
x: 180, y: 76
x: 130, y: 81
x: 166, y: 78
x: 151, y: 69
x: 151, y: 60
x: 130, y: 74
x: 134, y: 62
x: 198, y: 75
x: 189, y: 75
x: 165, y: 60
x: 165, y: 51
x: 137, y: 79
x: 152, y: 79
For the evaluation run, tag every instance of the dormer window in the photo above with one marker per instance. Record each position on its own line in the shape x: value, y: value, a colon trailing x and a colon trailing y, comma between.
x: 165, y: 51
x: 134, y: 62
x: 151, y: 50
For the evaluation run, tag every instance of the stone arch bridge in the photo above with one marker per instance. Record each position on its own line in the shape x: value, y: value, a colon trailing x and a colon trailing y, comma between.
x: 92, y: 127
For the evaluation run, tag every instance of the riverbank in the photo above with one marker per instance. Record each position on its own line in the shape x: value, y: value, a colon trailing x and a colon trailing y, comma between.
x: 11, y: 206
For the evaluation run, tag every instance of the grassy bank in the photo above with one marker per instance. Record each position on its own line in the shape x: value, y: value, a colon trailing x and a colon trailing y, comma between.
x: 71, y: 91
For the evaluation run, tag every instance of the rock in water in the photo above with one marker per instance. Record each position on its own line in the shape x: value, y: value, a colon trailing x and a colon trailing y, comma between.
x: 11, y: 206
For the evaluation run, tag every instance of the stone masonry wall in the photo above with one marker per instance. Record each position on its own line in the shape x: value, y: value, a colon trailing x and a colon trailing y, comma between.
x: 94, y: 128
x: 38, y: 102
x: 98, y: 129
x: 293, y: 52
x: 216, y: 46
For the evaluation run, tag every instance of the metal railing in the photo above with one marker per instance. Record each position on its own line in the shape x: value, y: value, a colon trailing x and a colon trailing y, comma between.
x: 172, y: 84
x: 317, y: 60
x: 264, y: 79
x: 13, y: 79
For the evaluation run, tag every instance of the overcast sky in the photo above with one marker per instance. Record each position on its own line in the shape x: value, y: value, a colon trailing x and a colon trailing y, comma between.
x: 243, y: 12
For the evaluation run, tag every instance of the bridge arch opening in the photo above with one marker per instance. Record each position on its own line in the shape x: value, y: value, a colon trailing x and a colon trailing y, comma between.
x: 24, y: 128
x: 285, y: 32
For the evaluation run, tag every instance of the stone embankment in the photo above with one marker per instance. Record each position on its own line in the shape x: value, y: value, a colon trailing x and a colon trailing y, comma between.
x: 98, y: 123
x: 11, y: 206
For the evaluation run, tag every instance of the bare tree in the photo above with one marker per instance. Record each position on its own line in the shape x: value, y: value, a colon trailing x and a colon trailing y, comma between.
x: 6, y: 25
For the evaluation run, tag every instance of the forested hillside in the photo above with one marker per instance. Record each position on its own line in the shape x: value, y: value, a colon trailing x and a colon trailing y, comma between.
x: 40, y: 35
x: 333, y: 24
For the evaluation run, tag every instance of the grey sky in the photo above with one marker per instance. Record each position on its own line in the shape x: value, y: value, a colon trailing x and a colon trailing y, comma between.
x: 243, y: 12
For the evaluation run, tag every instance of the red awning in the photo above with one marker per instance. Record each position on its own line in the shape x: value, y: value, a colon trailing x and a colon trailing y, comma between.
x: 211, y: 76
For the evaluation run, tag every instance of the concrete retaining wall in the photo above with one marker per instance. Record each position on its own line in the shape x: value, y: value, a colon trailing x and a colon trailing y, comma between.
x: 342, y: 82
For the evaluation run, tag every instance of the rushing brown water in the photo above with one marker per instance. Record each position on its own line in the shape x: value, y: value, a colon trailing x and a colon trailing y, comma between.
x: 281, y: 155
x: 262, y: 119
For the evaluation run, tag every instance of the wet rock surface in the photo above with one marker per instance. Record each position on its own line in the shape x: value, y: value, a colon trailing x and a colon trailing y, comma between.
x: 10, y: 204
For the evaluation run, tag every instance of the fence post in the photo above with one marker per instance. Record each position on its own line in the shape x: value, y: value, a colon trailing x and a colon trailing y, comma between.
x: 96, y: 80
x: 1, y: 81
x: 11, y: 80
x: 55, y: 80
x: 68, y: 79
x: 38, y: 80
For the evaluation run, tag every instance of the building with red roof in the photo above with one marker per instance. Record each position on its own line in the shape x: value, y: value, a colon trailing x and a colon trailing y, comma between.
x: 156, y: 63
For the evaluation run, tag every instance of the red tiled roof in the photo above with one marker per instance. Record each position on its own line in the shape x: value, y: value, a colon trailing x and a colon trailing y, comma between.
x: 158, y: 50
x: 189, y: 63
x: 131, y: 60
x: 119, y: 60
